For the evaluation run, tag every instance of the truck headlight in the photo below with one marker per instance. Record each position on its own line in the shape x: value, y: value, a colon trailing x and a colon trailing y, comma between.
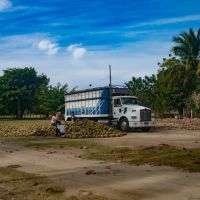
x: 133, y: 117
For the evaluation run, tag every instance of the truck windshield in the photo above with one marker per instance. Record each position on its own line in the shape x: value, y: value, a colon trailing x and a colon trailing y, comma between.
x: 128, y: 101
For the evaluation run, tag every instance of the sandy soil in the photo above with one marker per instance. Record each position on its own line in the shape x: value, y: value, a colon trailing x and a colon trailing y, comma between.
x: 174, y: 137
x: 113, y: 180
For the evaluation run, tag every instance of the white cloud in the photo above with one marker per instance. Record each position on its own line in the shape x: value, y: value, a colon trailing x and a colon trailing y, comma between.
x: 77, y: 51
x: 49, y: 47
x: 134, y: 60
x: 94, y: 66
x: 5, y: 4
x: 166, y: 21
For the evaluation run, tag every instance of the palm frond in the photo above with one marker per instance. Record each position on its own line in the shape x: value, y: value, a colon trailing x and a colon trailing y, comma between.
x: 188, y: 48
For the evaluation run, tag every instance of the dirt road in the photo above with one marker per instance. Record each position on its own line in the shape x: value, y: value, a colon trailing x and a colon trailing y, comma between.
x: 113, y: 180
x: 174, y: 137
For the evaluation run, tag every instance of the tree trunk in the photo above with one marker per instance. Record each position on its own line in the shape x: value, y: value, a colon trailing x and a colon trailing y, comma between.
x: 19, y: 113
x: 46, y: 115
x: 181, y: 113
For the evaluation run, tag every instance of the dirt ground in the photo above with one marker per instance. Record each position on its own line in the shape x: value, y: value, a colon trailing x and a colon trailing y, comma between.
x: 113, y: 180
x: 175, y: 137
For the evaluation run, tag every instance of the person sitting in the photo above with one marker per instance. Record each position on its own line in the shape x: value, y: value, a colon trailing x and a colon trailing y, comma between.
x: 55, y: 121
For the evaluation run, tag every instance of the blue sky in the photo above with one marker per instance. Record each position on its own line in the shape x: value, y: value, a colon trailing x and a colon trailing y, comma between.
x: 74, y: 41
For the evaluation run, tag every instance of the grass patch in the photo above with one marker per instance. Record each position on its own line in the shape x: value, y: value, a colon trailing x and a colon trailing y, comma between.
x: 19, y: 185
x: 24, y: 121
x: 186, y: 159
x: 24, y: 186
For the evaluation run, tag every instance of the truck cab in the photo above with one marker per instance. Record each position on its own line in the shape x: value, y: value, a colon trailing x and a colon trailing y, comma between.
x: 129, y: 114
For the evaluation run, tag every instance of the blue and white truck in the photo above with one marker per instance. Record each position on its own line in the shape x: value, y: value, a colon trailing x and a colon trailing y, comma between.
x: 111, y: 104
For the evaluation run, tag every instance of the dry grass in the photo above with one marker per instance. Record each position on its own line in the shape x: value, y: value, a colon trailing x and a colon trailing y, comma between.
x: 18, y: 185
x: 186, y: 159
x: 188, y: 124
x: 24, y: 122
x: 23, y: 186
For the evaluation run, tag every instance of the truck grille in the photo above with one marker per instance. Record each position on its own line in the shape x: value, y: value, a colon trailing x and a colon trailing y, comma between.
x: 145, y: 115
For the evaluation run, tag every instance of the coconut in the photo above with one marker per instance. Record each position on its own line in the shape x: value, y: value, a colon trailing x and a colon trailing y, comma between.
x: 90, y: 129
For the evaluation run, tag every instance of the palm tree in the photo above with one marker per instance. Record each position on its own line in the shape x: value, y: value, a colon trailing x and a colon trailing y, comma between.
x: 188, y: 49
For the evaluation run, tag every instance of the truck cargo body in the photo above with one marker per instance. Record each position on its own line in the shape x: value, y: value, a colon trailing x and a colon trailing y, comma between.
x: 89, y: 103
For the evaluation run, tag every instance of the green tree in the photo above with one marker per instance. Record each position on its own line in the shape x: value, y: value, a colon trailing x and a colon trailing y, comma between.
x: 187, y: 48
x: 143, y: 89
x: 174, y: 85
x: 177, y: 84
x: 51, y: 99
x: 19, y: 89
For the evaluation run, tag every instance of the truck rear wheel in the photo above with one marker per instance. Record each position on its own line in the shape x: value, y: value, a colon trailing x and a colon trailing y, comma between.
x: 124, y: 124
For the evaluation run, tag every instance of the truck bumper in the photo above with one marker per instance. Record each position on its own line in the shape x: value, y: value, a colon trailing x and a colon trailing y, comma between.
x: 141, y: 124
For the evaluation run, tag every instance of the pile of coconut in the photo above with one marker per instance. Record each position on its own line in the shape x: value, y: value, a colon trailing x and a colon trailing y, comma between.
x: 90, y: 129
x: 79, y: 129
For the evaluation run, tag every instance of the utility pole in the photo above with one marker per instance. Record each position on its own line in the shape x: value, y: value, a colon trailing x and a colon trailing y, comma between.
x: 110, y: 76
x: 110, y: 90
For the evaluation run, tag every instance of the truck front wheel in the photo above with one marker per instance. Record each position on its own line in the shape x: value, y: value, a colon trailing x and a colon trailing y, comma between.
x: 124, y: 124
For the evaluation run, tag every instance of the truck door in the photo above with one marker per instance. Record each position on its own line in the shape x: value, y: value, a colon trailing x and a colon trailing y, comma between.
x: 117, y: 108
